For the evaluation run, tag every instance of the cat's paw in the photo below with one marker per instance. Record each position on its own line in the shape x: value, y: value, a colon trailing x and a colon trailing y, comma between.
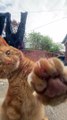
x: 47, y: 78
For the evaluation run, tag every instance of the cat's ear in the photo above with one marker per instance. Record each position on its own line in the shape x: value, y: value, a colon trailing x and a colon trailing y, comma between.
x: 3, y: 42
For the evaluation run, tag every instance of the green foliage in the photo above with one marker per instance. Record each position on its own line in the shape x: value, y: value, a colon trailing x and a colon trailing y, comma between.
x: 34, y: 40
x: 56, y: 47
x: 38, y: 41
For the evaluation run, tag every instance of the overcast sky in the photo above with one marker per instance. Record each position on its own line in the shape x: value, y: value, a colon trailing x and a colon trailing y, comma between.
x: 49, y: 17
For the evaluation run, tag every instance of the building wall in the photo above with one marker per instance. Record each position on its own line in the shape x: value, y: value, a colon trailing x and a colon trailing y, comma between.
x: 37, y: 54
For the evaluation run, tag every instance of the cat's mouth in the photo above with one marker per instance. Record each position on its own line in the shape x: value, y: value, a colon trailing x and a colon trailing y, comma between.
x: 6, y: 68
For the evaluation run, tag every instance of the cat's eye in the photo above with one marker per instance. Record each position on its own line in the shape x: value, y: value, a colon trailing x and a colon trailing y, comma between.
x: 8, y: 52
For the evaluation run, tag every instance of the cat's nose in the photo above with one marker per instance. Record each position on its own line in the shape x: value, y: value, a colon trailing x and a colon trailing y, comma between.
x: 8, y: 62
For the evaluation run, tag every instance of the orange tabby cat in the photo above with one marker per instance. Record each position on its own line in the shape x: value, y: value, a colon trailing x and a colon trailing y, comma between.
x: 30, y: 84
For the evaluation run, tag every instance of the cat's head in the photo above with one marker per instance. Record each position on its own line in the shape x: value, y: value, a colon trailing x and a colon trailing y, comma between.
x: 10, y: 59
